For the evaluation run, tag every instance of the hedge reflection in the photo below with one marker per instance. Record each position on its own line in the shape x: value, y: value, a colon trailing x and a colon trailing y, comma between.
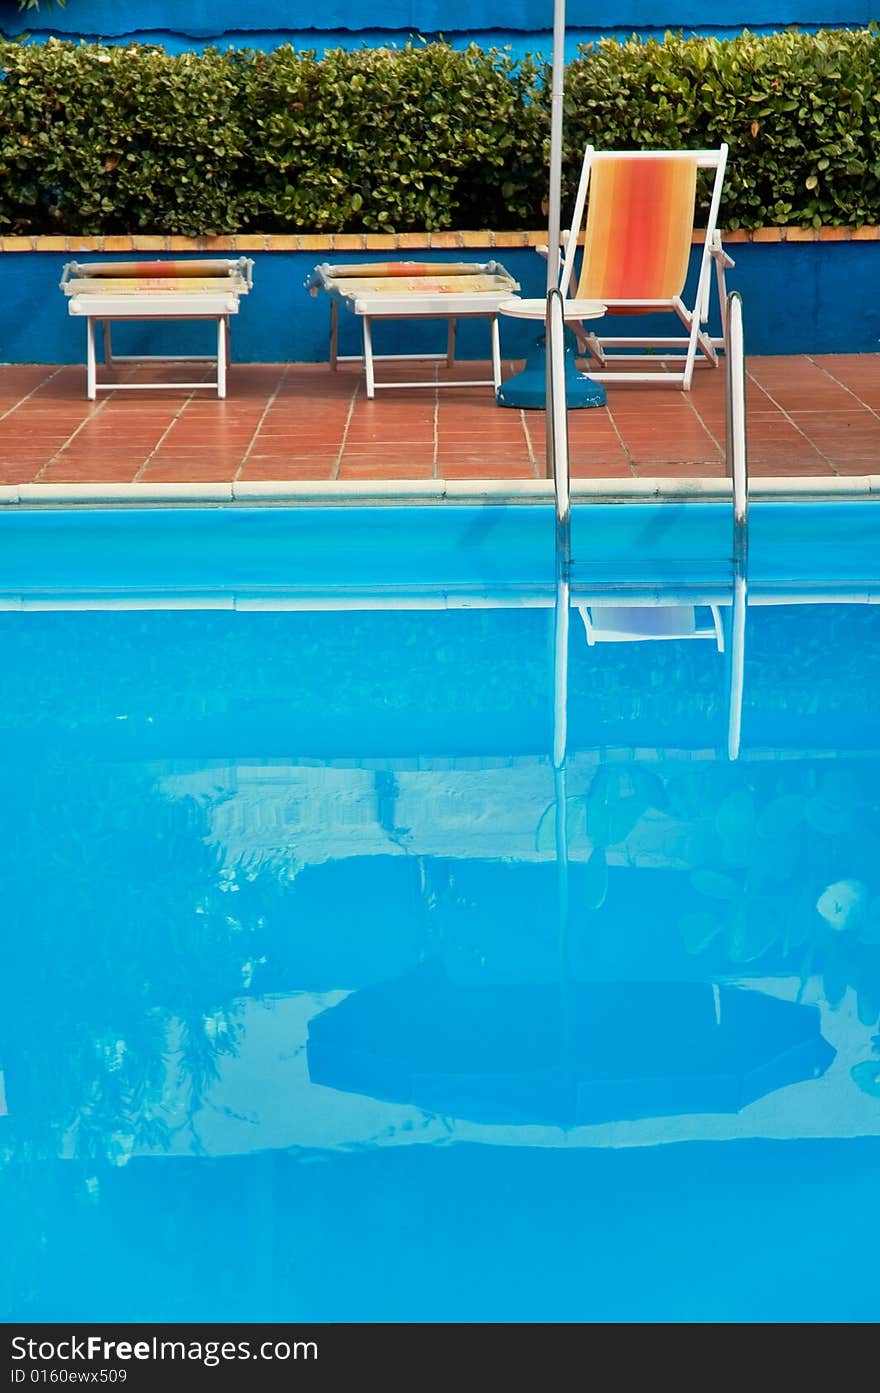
x: 126, y: 947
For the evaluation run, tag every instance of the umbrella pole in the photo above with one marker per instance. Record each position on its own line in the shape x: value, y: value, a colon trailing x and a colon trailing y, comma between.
x: 529, y: 387
x: 557, y: 96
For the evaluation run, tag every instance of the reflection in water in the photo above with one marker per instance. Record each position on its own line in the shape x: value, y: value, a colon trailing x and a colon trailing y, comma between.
x: 593, y: 1052
x: 124, y: 945
x: 287, y: 887
x: 606, y: 623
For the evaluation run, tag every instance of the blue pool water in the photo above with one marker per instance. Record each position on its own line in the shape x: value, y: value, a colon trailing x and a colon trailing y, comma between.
x: 324, y: 996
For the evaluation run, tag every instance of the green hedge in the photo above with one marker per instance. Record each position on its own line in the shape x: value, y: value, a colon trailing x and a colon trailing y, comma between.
x: 801, y: 113
x: 105, y: 139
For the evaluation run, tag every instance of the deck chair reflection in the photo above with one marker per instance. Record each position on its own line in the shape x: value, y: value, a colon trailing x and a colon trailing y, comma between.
x: 635, y: 623
x: 636, y: 255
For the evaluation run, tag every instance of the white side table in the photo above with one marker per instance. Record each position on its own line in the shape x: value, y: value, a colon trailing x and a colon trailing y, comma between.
x: 537, y: 309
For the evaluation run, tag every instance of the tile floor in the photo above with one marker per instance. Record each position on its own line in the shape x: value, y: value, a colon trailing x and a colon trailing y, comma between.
x: 807, y: 416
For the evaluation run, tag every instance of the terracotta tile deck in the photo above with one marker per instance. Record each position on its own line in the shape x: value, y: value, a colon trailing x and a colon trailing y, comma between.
x: 807, y: 416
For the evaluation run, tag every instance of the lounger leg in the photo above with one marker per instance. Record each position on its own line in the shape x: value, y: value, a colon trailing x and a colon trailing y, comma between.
x: 108, y: 345
x: 704, y: 343
x: 450, y: 343
x: 334, y: 335
x: 91, y: 376
x: 496, y: 351
x: 221, y: 358
x: 591, y: 345
x: 722, y: 295
x: 368, y: 359
x: 691, y: 357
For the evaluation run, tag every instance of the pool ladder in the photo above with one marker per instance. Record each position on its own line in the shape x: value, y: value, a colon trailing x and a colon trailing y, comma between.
x: 736, y: 469
x: 736, y: 457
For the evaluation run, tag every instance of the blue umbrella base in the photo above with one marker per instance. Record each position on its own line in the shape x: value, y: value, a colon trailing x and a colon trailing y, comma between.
x: 528, y: 389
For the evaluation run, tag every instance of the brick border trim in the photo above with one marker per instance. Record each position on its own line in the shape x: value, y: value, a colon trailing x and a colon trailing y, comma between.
x: 386, y: 242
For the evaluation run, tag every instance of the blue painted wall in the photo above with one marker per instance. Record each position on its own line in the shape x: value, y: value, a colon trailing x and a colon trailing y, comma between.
x: 517, y: 42
x: 799, y: 298
x: 522, y: 24
x: 203, y: 19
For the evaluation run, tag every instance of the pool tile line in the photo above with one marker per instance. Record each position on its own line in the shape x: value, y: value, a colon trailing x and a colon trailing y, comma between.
x: 436, y: 435
x: 270, y: 402
x: 97, y: 408
x: 791, y: 420
x: 719, y: 444
x: 345, y: 430
x: 27, y: 396
x: 536, y: 461
x: 838, y: 382
x: 163, y: 437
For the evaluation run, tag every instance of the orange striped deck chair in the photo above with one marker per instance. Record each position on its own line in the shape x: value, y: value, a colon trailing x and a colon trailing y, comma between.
x: 636, y: 257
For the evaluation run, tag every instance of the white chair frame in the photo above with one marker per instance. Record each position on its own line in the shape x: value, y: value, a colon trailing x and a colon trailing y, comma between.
x: 108, y: 311
x: 696, y: 340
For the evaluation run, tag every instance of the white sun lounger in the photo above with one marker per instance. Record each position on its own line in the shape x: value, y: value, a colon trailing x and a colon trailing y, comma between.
x: 141, y: 290
x: 415, y: 290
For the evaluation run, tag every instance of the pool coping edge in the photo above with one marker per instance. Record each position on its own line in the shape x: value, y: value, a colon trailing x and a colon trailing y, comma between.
x: 499, y: 491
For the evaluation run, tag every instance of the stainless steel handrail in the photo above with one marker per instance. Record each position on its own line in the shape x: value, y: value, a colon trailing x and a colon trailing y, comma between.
x: 736, y: 460
x: 556, y: 413
x: 736, y: 451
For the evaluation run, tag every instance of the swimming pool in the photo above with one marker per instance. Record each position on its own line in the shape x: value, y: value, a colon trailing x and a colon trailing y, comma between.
x: 307, y: 1013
